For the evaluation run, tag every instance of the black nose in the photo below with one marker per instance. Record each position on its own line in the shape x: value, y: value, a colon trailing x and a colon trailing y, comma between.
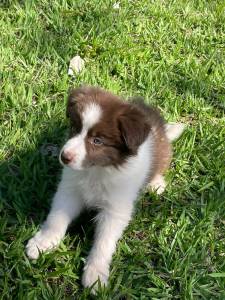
x: 66, y: 157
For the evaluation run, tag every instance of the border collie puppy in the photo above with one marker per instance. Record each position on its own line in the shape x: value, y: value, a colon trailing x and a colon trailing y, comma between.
x: 115, y: 148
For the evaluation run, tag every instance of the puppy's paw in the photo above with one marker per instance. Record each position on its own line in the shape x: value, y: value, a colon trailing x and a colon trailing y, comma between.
x: 157, y: 184
x: 93, y: 273
x: 43, y: 240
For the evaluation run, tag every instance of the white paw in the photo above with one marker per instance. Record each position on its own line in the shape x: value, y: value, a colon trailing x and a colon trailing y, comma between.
x: 42, y: 241
x: 93, y: 273
x: 157, y: 184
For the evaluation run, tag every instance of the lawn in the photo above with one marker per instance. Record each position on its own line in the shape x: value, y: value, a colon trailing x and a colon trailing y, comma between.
x: 173, y: 54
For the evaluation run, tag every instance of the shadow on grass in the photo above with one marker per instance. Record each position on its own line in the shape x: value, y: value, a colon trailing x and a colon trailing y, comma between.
x: 31, y: 175
x: 29, y: 180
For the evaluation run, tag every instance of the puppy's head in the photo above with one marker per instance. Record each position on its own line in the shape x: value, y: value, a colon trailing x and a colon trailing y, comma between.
x: 104, y: 131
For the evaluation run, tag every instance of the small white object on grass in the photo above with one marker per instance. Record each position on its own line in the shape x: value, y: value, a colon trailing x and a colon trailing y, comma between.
x: 76, y: 65
x: 116, y: 5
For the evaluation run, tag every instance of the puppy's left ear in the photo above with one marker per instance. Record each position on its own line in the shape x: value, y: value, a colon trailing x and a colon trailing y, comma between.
x: 134, y: 128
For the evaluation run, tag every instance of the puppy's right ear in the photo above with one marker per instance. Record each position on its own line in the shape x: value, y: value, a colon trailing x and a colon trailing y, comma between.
x: 72, y: 111
x: 70, y: 107
x: 76, y: 98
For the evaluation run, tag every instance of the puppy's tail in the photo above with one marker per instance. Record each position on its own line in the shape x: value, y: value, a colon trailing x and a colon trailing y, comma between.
x: 174, y: 130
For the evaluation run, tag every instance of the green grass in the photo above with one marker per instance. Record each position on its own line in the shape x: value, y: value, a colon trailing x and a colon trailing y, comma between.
x: 170, y: 52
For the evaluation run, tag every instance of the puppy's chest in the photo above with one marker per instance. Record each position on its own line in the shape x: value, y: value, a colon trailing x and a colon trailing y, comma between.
x: 95, y: 190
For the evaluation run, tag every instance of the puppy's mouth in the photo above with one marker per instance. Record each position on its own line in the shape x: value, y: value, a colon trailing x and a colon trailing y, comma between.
x: 60, y: 161
x: 89, y: 164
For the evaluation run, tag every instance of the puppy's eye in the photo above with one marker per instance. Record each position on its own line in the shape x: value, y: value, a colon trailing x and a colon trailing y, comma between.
x: 97, y: 141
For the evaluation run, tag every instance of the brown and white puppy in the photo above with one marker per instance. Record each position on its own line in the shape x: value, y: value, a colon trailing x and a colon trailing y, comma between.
x: 115, y: 148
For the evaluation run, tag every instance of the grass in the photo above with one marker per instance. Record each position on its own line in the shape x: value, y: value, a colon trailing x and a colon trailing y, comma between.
x: 172, y: 53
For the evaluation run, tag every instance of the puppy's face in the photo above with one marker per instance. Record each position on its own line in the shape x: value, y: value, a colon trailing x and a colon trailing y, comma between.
x: 104, y: 130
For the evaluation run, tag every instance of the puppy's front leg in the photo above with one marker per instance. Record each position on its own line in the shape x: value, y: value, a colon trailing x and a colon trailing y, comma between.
x: 110, y: 225
x: 66, y: 205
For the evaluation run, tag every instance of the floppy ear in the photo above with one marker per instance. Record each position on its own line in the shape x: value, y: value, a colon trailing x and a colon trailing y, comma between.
x: 75, y: 99
x: 134, y: 128
x: 72, y: 111
x: 70, y: 103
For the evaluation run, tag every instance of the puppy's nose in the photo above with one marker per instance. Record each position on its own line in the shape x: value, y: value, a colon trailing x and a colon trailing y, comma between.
x: 67, y: 157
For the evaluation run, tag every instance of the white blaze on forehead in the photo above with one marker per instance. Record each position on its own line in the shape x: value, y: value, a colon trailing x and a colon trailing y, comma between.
x: 91, y: 115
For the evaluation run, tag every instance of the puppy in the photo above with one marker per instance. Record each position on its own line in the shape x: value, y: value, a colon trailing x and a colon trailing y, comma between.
x: 115, y: 149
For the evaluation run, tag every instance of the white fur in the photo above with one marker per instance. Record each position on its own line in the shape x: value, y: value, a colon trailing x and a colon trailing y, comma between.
x: 91, y: 115
x: 76, y: 145
x: 157, y: 184
x: 111, y: 190
x: 174, y: 130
